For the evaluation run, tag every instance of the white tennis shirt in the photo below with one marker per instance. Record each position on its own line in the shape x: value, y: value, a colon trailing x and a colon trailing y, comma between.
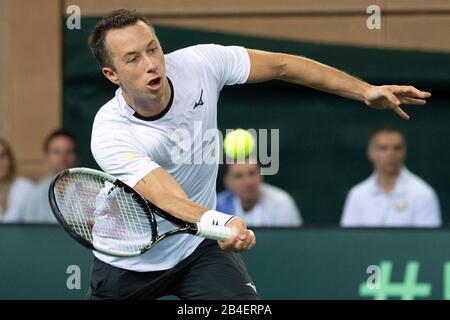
x: 412, y: 203
x: 18, y: 196
x: 129, y: 147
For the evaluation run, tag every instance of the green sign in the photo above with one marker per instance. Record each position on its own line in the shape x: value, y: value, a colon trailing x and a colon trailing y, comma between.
x: 43, y: 262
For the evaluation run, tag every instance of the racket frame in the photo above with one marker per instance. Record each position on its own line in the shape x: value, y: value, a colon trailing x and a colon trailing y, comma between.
x: 116, y: 182
x: 149, y: 208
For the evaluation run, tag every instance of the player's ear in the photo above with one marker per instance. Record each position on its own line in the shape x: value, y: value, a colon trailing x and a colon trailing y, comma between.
x: 110, y: 74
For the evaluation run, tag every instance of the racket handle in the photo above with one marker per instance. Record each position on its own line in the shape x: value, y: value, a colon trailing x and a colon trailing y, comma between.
x: 214, y: 232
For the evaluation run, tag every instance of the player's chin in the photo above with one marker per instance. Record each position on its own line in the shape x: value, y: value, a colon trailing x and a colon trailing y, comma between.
x: 152, y: 94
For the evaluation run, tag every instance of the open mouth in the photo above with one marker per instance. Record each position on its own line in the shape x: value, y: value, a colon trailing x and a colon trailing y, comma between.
x: 154, y: 84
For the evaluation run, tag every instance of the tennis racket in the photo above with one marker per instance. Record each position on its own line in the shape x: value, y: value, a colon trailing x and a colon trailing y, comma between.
x: 104, y: 214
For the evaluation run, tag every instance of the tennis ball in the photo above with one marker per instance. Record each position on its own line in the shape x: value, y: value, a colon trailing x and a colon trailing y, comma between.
x: 238, y: 144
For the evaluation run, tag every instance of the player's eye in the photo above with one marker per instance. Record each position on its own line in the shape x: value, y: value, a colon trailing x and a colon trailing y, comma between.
x: 152, y: 50
x: 132, y: 59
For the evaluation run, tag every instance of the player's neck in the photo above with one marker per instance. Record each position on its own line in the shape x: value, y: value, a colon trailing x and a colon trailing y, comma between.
x: 387, y: 181
x: 149, y: 108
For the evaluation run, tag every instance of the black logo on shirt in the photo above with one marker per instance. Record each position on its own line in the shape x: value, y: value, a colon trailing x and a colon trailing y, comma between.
x: 215, y: 222
x: 200, y: 101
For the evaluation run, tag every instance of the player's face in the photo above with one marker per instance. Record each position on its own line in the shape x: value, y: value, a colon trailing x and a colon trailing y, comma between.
x: 138, y: 62
x: 5, y: 163
x: 244, y: 180
x: 388, y: 152
x: 61, y: 154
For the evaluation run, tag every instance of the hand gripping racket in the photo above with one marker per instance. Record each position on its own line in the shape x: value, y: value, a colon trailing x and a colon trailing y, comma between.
x: 104, y: 214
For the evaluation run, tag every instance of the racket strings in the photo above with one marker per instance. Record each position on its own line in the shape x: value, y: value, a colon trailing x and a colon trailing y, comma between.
x: 102, y: 213
x: 69, y: 201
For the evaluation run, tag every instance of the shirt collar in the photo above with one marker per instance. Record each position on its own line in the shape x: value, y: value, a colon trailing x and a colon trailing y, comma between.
x: 400, y: 184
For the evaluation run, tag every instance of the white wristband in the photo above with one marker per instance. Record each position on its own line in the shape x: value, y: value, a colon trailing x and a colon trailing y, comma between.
x: 216, y: 218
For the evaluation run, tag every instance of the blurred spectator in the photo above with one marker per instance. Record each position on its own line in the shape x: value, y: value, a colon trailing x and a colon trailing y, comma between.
x: 392, y: 196
x: 13, y: 189
x: 259, y: 204
x: 61, y: 152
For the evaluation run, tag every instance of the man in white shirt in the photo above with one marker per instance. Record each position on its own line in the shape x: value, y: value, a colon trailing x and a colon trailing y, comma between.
x: 258, y: 203
x: 61, y: 152
x: 392, y: 196
x: 134, y: 138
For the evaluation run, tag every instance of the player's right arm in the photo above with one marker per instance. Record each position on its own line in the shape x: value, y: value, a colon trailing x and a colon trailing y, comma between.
x: 161, y: 189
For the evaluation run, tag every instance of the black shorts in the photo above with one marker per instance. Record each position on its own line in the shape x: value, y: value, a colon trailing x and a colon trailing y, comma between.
x: 208, y: 273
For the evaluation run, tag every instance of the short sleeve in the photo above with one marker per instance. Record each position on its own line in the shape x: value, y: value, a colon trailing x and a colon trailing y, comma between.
x: 118, y: 154
x: 293, y: 215
x: 351, y: 214
x: 427, y: 211
x: 229, y: 64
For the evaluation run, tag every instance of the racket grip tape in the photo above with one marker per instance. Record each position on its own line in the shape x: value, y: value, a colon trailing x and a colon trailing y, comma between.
x: 214, y: 232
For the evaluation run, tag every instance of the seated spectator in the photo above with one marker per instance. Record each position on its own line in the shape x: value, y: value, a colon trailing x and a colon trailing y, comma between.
x: 259, y: 204
x: 13, y: 189
x: 392, y: 196
x: 61, y: 152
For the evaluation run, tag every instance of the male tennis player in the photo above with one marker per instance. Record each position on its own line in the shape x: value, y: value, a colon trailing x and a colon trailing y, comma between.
x: 132, y: 139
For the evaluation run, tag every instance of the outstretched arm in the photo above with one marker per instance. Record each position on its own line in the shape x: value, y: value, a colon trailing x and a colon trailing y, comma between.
x: 296, y: 69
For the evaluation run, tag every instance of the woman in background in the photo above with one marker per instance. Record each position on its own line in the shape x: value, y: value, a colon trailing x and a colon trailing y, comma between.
x: 13, y: 189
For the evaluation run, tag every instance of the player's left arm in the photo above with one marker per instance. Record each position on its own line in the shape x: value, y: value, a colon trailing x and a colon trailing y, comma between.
x: 300, y: 70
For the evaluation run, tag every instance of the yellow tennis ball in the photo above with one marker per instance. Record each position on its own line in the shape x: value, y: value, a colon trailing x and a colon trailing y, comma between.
x: 238, y: 144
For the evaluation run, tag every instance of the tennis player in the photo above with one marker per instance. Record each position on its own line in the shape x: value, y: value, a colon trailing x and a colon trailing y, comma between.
x: 133, y: 140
